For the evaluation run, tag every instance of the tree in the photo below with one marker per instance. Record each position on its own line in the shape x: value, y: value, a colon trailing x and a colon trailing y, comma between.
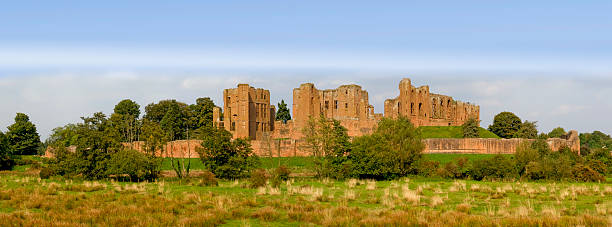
x: 470, y: 129
x: 202, y: 113
x: 174, y: 117
x: 557, y: 133
x: 283, y: 114
x: 95, y: 142
x: 392, y: 151
x: 125, y: 119
x: 528, y: 130
x: 505, y: 125
x: 136, y: 165
x: 22, y: 136
x: 6, y: 159
x: 595, y: 140
x: 226, y: 158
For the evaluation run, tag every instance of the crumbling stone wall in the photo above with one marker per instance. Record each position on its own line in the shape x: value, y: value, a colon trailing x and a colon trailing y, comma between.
x: 427, y: 109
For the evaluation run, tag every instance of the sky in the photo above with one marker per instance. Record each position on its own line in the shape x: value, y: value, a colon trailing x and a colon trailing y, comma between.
x: 546, y: 61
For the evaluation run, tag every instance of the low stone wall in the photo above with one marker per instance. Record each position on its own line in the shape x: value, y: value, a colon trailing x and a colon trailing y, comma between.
x: 294, y: 148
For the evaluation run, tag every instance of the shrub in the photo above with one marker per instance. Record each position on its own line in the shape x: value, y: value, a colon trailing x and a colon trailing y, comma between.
x: 470, y: 129
x: 258, y: 178
x: 46, y: 173
x: 427, y: 167
x: 226, y: 158
x: 136, y: 165
x: 209, y: 179
x: 584, y: 173
x: 534, y: 171
x: 279, y: 175
x: 6, y: 159
x: 392, y: 151
x: 497, y: 167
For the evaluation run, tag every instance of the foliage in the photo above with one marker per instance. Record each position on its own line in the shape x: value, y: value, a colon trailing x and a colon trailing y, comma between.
x: 525, y: 154
x: 329, y: 143
x: 497, y: 167
x: 602, y: 155
x: 279, y: 175
x: 46, y: 173
x: 6, y: 157
x: 63, y: 136
x: 470, y: 128
x: 392, y: 151
x: 557, y: 133
x: 95, y: 141
x: 22, y: 136
x: 583, y: 173
x: 136, y: 165
x: 283, y: 114
x: 125, y: 120
x: 427, y: 167
x: 505, y: 125
x: 209, y: 179
x: 451, y: 132
x: 528, y: 130
x: 226, y: 158
x: 259, y: 178
x: 595, y: 140
x: 202, y: 113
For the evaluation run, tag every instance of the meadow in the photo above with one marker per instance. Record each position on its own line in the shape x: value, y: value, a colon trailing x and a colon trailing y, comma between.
x: 28, y: 200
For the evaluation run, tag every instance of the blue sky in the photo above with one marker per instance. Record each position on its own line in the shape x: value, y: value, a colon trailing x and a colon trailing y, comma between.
x: 556, y: 50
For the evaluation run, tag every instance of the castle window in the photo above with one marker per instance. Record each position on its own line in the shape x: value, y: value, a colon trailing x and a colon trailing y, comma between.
x: 411, y: 108
x: 420, y: 108
x: 336, y: 104
x: 345, y: 105
x: 326, y: 104
x: 233, y: 128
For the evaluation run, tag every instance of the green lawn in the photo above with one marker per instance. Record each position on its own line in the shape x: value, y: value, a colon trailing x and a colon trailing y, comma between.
x: 446, y: 158
x: 451, y: 132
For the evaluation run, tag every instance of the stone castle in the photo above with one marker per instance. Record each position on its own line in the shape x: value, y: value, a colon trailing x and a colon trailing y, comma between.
x: 248, y: 114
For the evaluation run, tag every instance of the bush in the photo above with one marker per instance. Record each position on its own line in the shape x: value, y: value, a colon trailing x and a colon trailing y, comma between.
x: 534, y: 171
x: 46, y: 173
x: 6, y: 159
x: 209, y: 179
x: 226, y: 158
x: 258, y: 178
x: 427, y: 168
x: 582, y: 173
x: 392, y: 151
x: 598, y: 166
x: 470, y: 129
x: 136, y: 165
x: 498, y: 167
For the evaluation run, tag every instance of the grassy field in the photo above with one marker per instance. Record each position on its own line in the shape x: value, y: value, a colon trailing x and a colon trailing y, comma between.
x: 451, y: 132
x: 30, y: 201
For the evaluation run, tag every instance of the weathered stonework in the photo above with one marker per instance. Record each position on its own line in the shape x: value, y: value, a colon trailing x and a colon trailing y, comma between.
x: 247, y: 112
x: 427, y: 109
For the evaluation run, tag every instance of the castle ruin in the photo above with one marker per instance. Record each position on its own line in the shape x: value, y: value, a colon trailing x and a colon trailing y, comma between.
x: 248, y: 113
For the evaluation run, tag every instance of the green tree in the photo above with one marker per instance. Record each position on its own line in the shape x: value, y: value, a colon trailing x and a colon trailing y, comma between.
x: 202, y: 113
x: 505, y: 125
x: 226, y: 158
x: 136, y: 165
x: 594, y: 140
x: 283, y: 114
x: 22, y: 136
x: 557, y: 133
x: 470, y: 128
x: 125, y: 120
x: 96, y: 140
x: 528, y: 130
x: 6, y: 159
x: 328, y: 142
x: 174, y: 117
x: 63, y: 136
x: 392, y: 151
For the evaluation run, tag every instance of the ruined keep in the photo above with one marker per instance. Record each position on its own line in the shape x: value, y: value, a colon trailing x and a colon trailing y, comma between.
x: 247, y: 112
x: 427, y: 109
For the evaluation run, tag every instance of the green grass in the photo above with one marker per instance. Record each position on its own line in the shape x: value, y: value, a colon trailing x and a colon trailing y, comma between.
x: 451, y: 132
x: 29, y: 201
